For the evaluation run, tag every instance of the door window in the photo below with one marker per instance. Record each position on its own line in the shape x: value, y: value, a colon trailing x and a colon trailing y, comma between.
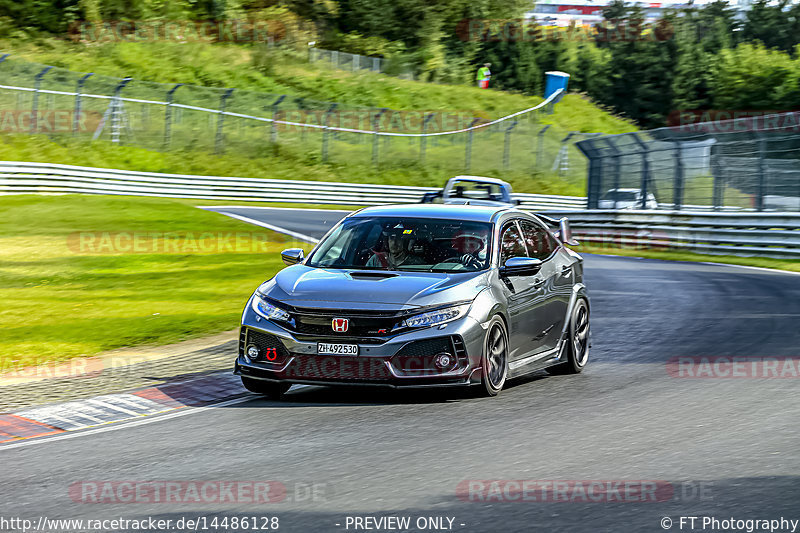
x: 511, y: 244
x: 539, y: 241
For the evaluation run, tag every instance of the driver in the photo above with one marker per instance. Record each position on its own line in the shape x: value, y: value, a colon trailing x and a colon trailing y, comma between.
x: 398, y: 240
x: 469, y: 245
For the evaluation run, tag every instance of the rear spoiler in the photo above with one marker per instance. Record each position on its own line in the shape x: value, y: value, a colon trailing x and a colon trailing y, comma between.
x: 564, y: 231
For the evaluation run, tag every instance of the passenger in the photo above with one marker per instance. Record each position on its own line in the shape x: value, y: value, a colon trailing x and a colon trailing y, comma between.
x: 398, y: 241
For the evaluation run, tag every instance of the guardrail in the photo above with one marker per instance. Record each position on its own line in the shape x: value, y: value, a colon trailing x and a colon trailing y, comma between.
x: 764, y: 234
x: 18, y: 177
x: 775, y: 235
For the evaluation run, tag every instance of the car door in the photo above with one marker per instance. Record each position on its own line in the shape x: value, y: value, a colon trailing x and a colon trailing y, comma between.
x: 556, y: 285
x: 523, y: 294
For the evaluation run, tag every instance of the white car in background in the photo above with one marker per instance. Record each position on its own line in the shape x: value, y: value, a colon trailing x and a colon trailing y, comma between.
x: 626, y: 199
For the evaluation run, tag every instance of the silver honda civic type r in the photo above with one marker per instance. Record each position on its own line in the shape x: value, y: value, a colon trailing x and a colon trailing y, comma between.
x: 420, y: 296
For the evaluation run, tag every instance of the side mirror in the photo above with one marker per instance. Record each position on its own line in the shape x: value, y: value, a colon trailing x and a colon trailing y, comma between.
x: 565, y: 232
x: 292, y: 256
x: 521, y: 266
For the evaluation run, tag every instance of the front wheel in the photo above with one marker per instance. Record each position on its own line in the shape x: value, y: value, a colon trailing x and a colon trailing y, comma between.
x: 495, y: 357
x: 270, y: 389
x: 577, y: 343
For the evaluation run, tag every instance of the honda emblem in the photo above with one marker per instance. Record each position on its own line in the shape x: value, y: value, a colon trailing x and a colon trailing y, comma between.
x: 340, y: 325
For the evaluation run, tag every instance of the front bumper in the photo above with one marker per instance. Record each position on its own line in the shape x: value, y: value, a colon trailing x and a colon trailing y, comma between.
x: 404, y: 360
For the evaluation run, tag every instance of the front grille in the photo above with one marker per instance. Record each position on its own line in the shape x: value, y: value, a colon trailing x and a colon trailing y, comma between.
x: 265, y: 342
x: 337, y: 368
x: 426, y: 347
x: 417, y: 357
x: 359, y: 325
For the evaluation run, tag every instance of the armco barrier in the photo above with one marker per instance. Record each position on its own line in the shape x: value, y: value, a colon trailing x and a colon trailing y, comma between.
x: 774, y: 235
x: 747, y: 234
x: 16, y: 177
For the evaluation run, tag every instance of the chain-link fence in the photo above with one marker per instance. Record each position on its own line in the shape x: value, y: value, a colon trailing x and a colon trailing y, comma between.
x: 751, y: 163
x: 37, y: 99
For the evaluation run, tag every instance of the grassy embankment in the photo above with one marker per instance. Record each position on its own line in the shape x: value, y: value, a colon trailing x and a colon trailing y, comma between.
x: 234, y: 66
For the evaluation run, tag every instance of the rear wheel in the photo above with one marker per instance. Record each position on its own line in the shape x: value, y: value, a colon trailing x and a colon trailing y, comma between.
x: 270, y: 389
x: 577, y: 342
x: 495, y: 357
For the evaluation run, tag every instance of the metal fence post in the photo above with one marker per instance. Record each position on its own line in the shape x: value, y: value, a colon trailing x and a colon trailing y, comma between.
x: 762, y: 171
x: 595, y: 177
x: 301, y: 106
x: 376, y: 64
x: 218, y: 142
x: 375, y: 129
x: 617, y: 167
x: 325, y: 132
x: 558, y: 163
x: 540, y: 146
x: 507, y: 146
x: 468, y: 154
x: 677, y: 187
x: 645, y: 170
x: 77, y: 112
x: 168, y: 117
x: 356, y: 62
x: 116, y: 110
x: 423, y: 139
x: 273, y: 134
x: 35, y: 106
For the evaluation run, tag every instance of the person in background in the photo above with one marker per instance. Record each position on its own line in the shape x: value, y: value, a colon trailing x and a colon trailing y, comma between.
x: 484, y: 75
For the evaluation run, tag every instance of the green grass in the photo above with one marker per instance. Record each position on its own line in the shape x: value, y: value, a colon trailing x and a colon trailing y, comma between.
x: 677, y: 255
x: 63, y: 299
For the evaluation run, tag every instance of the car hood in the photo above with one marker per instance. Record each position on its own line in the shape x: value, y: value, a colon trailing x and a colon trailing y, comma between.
x: 304, y: 286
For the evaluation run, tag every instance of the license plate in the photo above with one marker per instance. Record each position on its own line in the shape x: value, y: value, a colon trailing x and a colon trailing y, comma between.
x: 324, y: 348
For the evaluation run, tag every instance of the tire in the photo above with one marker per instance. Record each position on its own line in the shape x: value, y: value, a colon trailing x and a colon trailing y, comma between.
x: 494, y: 361
x: 270, y: 389
x: 577, y: 343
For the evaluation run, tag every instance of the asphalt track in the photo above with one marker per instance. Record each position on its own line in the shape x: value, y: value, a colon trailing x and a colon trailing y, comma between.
x: 728, y: 447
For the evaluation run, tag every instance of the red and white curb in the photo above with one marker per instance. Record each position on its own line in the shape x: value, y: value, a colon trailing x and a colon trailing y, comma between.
x: 112, y: 408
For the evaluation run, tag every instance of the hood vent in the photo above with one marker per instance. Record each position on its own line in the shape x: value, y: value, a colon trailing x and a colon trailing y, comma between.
x: 373, y: 274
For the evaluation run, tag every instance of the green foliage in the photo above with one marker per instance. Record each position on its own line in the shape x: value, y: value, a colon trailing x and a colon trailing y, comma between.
x: 687, y: 61
x: 753, y: 77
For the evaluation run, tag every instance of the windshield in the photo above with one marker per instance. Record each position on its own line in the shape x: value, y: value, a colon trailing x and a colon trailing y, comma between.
x: 409, y: 244
x: 474, y: 190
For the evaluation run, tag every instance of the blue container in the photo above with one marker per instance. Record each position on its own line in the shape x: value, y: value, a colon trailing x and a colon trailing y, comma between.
x: 555, y: 80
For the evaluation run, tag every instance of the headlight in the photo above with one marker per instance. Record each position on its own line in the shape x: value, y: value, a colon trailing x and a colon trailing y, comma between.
x: 267, y: 310
x: 433, y: 318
